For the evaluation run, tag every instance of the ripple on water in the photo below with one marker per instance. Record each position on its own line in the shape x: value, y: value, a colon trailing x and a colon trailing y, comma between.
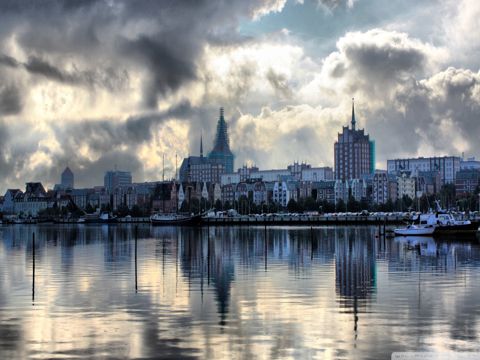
x: 224, y: 294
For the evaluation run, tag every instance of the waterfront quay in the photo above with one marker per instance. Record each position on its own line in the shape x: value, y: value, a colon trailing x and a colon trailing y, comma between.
x: 302, y: 219
x: 276, y: 219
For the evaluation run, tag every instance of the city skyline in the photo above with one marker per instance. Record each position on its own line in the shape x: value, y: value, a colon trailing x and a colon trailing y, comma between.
x: 135, y: 86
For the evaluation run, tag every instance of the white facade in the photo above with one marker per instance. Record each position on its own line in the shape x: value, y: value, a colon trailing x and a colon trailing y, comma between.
x: 217, y: 192
x: 204, y: 191
x: 341, y: 191
x: 406, y: 186
x: 447, y: 166
x: 281, y: 193
x: 358, y: 188
x: 30, y: 207
x: 181, y: 196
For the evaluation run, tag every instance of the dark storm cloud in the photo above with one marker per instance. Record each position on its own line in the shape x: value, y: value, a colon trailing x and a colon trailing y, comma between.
x: 38, y: 66
x: 377, y: 61
x: 170, y: 67
x: 107, y: 77
x: 10, y: 100
x: 8, y: 61
x: 166, y: 40
x: 103, y: 135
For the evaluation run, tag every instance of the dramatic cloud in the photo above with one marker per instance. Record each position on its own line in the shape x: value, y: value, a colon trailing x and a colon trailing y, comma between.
x: 103, y: 82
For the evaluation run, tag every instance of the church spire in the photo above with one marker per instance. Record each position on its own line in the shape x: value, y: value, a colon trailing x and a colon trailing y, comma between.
x: 353, y: 114
x: 201, y: 145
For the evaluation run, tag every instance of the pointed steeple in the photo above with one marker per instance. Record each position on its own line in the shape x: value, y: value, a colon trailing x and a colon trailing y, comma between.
x: 221, y: 140
x: 221, y: 152
x: 353, y: 114
x: 201, y: 145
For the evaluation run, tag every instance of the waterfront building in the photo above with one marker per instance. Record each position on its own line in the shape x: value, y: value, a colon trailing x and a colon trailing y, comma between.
x: 67, y: 179
x: 116, y: 178
x: 447, y: 166
x: 242, y: 189
x: 428, y: 182
x: 283, y: 191
x: 384, y: 187
x: 228, y: 193
x: 9, y: 200
x: 467, y: 181
x: 221, y: 152
x: 406, y: 185
x: 201, y: 169
x: 341, y: 191
x: 358, y: 189
x: 259, y: 193
x: 326, y: 191
x: 32, y: 201
x: 81, y: 197
x: 165, y: 198
x: 354, y: 153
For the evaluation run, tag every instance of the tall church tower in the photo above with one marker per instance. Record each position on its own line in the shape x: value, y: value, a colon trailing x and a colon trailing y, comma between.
x: 221, y: 152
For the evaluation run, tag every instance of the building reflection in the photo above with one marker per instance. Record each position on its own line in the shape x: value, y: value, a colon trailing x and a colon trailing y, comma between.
x: 355, y: 264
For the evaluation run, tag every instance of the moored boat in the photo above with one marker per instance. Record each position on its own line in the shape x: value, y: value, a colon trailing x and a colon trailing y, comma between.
x: 446, y: 224
x: 107, y: 218
x: 175, y: 219
x: 416, y: 230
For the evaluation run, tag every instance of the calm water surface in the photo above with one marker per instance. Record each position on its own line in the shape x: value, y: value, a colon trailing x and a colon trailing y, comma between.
x: 233, y: 292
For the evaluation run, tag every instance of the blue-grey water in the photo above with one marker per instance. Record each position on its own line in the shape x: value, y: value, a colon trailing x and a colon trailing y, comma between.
x: 233, y: 292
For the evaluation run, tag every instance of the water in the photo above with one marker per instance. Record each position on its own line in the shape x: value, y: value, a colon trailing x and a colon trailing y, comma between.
x: 224, y: 292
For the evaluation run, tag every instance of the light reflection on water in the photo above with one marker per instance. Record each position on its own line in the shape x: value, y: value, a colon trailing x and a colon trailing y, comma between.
x: 224, y: 292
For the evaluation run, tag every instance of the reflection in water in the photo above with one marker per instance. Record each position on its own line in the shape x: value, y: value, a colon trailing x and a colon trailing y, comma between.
x: 220, y: 292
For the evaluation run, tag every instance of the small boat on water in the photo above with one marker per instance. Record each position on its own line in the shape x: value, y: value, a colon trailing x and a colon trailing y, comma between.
x: 439, y: 222
x: 107, y: 218
x: 416, y: 230
x: 175, y: 219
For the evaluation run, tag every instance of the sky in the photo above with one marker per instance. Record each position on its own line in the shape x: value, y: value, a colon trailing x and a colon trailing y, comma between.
x: 98, y: 84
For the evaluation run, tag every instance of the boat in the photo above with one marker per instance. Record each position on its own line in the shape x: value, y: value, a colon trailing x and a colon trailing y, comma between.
x: 81, y: 220
x: 107, y: 218
x: 416, y: 230
x: 446, y: 224
x: 175, y: 219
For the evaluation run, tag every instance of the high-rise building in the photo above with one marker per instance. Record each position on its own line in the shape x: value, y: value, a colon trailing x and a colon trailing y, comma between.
x: 116, y: 178
x: 67, y: 179
x: 221, y: 152
x: 354, y: 153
